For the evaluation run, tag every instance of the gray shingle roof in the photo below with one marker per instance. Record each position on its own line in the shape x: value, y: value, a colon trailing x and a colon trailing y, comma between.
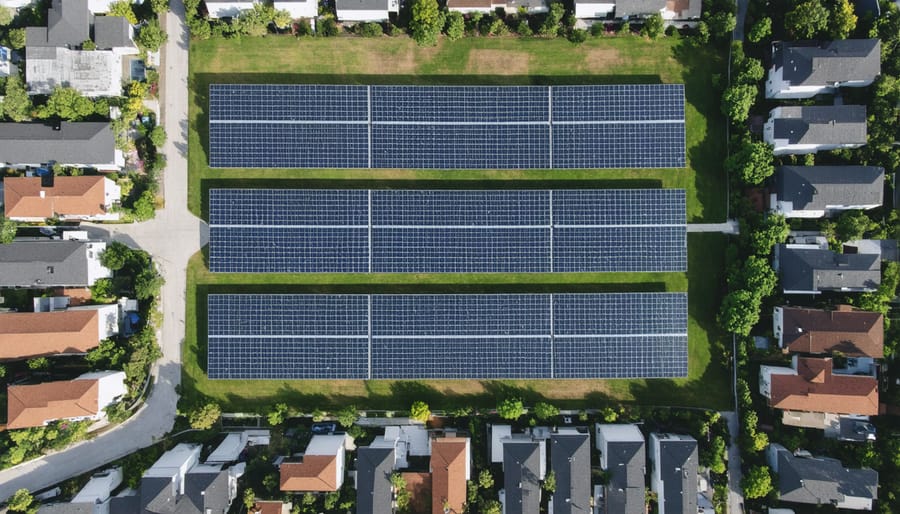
x: 43, y: 264
x: 570, y: 460
x: 822, y: 480
x: 373, y: 480
x: 678, y: 470
x: 112, y: 32
x: 124, y: 504
x: 804, y: 269
x: 521, y: 476
x: 684, y: 10
x: 157, y: 495
x: 68, y: 24
x: 816, y: 187
x: 73, y: 143
x: 361, y: 5
x: 824, y: 63
x: 838, y: 124
x: 625, y: 491
x: 205, y: 492
x: 66, y: 508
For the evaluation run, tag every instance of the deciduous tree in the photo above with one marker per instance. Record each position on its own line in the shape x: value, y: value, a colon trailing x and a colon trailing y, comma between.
x: 752, y: 163
x: 510, y: 408
x: 760, y: 30
x: 420, y: 411
x: 843, y: 20
x: 204, y: 416
x: 737, y: 101
x: 426, y: 22
x: 807, y: 19
x: 757, y: 483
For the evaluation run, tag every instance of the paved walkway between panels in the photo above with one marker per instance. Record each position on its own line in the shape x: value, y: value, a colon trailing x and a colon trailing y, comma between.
x: 729, y: 227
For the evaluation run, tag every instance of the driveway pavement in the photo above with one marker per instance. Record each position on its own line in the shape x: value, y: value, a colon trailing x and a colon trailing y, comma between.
x: 735, y: 493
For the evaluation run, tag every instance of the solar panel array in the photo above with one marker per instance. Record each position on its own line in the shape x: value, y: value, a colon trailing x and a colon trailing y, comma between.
x: 440, y: 231
x: 619, y: 335
x: 446, y: 127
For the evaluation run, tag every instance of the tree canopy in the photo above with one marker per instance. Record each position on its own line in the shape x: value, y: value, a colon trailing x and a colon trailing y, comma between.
x: 807, y: 19
x: 739, y: 312
x: 757, y: 483
x: 511, y: 408
x: 737, y: 101
x: 426, y: 22
x: 760, y: 30
x: 653, y: 26
x: 843, y: 20
x: 123, y: 8
x: 203, y: 417
x: 419, y: 411
x: 151, y: 36
x: 17, y: 104
x: 544, y: 411
x: 752, y: 163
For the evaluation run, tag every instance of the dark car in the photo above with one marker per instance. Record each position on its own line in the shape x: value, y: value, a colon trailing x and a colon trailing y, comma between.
x: 324, y: 428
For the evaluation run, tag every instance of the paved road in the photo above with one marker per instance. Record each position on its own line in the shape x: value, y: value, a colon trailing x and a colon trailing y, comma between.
x: 729, y: 227
x: 735, y: 493
x: 172, y: 237
x: 738, y: 34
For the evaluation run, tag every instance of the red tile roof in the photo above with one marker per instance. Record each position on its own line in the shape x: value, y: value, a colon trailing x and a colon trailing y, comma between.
x: 73, y: 196
x: 33, y: 334
x: 854, y: 333
x: 448, y: 474
x: 317, y: 473
x: 816, y: 389
x: 33, y: 405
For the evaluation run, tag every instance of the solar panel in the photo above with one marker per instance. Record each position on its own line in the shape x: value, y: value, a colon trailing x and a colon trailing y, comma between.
x: 447, y: 231
x: 446, y: 127
x: 623, y: 335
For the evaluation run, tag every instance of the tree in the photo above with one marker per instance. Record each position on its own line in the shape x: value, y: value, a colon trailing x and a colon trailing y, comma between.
x: 420, y: 411
x: 485, y: 479
x: 549, y: 484
x: 278, y: 414
x: 843, y: 20
x: 123, y: 8
x: 752, y: 162
x: 550, y: 26
x: 757, y: 483
x: 545, y: 411
x: 347, y: 416
x: 402, y: 494
x: 737, y: 101
x: 8, y: 230
x: 204, y: 416
x: 145, y: 206
x: 68, y: 104
x: 282, y: 19
x: 369, y: 29
x: 6, y: 16
x: 328, y: 27
x: 249, y: 498
x: 39, y: 364
x: 115, y: 256
x: 713, y: 458
x: 15, y: 39
x: 578, y: 36
x: 853, y: 225
x: 511, y: 408
x: 426, y: 22
x: 158, y: 136
x: 653, y: 26
x: 147, y: 284
x: 456, y: 26
x: 750, y: 71
x: 152, y: 36
x: 17, y: 103
x: 757, y: 276
x: 760, y: 30
x: 491, y: 507
x: 161, y: 6
x: 721, y: 24
x: 108, y: 354
x: 739, y: 312
x: 807, y: 20
x: 22, y: 501
x: 773, y: 229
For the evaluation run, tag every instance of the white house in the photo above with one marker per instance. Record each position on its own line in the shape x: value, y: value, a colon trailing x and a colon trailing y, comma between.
x: 227, y: 8
x: 81, y: 399
x: 102, y: 6
x: 807, y: 68
x: 594, y: 9
x: 684, y: 10
x: 801, y: 130
x: 322, y: 468
x: 81, y: 198
x: 366, y: 10
x: 298, y: 8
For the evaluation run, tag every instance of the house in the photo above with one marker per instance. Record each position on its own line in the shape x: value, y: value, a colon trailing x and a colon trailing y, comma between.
x: 450, y: 467
x: 852, y: 332
x: 102, y: 6
x: 622, y: 456
x: 84, y: 198
x: 812, y: 270
x: 673, y: 478
x: 804, y: 69
x: 299, y: 8
x: 406, y: 441
x: 799, y: 130
x: 810, y: 385
x: 75, y: 400
x: 322, y: 467
x: 524, y: 467
x: 230, y: 449
x: 490, y: 6
x: 7, y: 68
x: 227, y: 8
x: 75, y: 331
x: 271, y: 507
x: 366, y: 10
x: 817, y: 191
x: 803, y: 478
x: 85, y: 144
x: 93, y: 498
x: 54, y: 55
x: 52, y: 263
x: 636, y: 9
x: 570, y: 460
x: 374, y: 491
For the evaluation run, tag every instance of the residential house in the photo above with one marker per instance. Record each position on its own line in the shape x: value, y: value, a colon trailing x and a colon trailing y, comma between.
x: 812, y: 395
x: 321, y: 468
x: 623, y: 457
x: 93, y: 498
x: 102, y: 6
x: 54, y: 55
x: 227, y: 8
x: 15, y: 4
x: 366, y: 10
x: 804, y: 69
x: 803, y: 478
x: 85, y: 144
x: 490, y: 6
x: 7, y: 68
x: 271, y: 507
x: 817, y: 191
x: 75, y: 331
x: 570, y: 460
x: 406, y: 441
x: 795, y: 130
x: 673, y: 476
x: 52, y: 263
x: 374, y: 491
x: 685, y: 10
x: 524, y: 467
x: 75, y: 400
x: 852, y: 332
x: 84, y: 198
x: 812, y: 270
x: 299, y: 8
x: 450, y: 467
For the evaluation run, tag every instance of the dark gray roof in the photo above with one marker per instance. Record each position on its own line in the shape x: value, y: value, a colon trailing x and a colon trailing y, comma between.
x: 626, y: 489
x: 68, y: 24
x: 124, y: 504
x: 570, y: 460
x: 361, y: 5
x: 205, y: 492
x: 817, y: 187
x: 827, y: 62
x: 66, y: 508
x: 112, y: 32
x: 43, y: 264
x: 521, y: 476
x: 157, y: 495
x: 804, y: 269
x: 830, y: 124
x: 685, y: 10
x: 373, y: 480
x: 822, y: 480
x: 73, y: 143
x: 678, y: 471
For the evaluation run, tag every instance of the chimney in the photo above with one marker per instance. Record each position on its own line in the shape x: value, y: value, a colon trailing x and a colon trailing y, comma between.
x: 43, y: 193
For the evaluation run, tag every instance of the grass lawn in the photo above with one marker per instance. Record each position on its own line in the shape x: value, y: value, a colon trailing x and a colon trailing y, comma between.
x: 508, y: 61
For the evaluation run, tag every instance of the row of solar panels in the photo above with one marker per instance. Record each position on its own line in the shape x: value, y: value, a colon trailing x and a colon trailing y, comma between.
x: 446, y: 127
x: 620, y: 335
x: 436, y: 231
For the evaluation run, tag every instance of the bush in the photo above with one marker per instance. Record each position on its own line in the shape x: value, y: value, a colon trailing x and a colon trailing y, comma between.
x: 757, y: 483
x: 347, y: 416
x: 204, y: 416
x: 8, y: 229
x: 598, y: 29
x: 327, y: 27
x: 369, y: 30
x: 524, y: 29
x: 578, y: 36
x: 545, y: 411
x: 420, y: 411
x: 278, y: 414
x: 151, y: 36
x: 511, y: 408
x: 426, y: 22
x: 456, y: 26
x: 115, y: 255
x: 22, y: 501
x: 653, y: 26
x: 39, y: 364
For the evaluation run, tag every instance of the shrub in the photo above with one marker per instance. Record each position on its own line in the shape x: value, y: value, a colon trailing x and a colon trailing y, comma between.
x: 204, y: 416
x: 511, y: 408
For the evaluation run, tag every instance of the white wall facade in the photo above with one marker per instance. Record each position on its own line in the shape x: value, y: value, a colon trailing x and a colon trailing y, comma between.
x: 96, y: 271
x: 593, y: 10
x: 362, y: 15
x: 656, y: 483
x: 227, y: 9
x: 111, y: 387
x: 307, y: 9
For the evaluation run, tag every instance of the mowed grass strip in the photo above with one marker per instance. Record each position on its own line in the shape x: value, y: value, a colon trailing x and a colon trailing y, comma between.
x: 488, y: 61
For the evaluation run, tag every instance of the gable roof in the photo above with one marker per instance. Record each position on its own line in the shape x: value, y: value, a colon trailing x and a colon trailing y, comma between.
x: 112, y: 32
x: 521, y: 476
x: 570, y: 459
x: 678, y: 471
x: 814, y: 269
x: 314, y: 473
x: 35, y: 334
x: 625, y: 461
x: 817, y: 124
x: 34, y: 405
x: 854, y: 333
x: 818, y: 187
x: 361, y: 5
x: 26, y: 197
x: 815, y: 388
x: 822, y: 480
x: 374, y: 492
x: 45, y: 263
x: 827, y: 62
x: 267, y: 507
x: 206, y: 491
x: 68, y: 25
x: 84, y: 142
x: 448, y: 474
x: 683, y: 9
